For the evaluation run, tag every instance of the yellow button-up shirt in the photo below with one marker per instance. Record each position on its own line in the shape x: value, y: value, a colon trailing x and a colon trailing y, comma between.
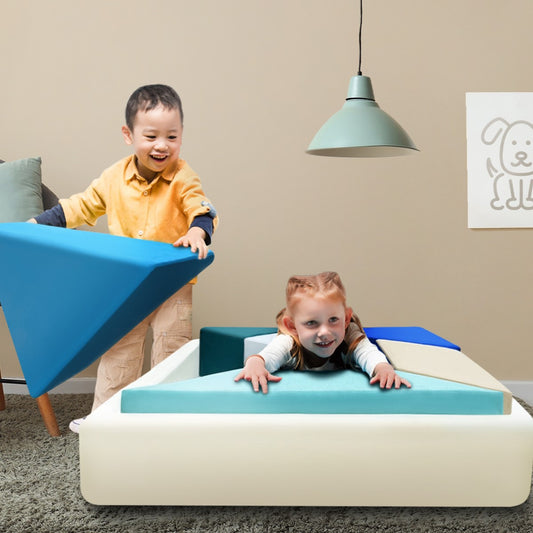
x: 160, y: 210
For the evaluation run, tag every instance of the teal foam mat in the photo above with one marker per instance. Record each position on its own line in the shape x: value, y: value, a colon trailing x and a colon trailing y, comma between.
x: 341, y: 392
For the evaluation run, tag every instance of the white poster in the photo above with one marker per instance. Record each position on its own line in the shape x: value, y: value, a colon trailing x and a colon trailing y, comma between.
x: 499, y: 133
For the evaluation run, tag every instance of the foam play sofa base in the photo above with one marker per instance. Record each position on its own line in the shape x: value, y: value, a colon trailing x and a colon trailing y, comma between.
x: 301, y: 459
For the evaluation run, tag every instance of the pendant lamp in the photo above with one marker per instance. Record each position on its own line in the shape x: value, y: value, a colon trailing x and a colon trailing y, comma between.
x: 360, y: 128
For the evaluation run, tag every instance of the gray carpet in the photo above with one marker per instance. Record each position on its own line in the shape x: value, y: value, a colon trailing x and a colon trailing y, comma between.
x: 39, y: 492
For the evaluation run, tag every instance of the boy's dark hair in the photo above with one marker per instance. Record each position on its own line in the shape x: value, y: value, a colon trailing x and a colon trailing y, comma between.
x: 149, y: 97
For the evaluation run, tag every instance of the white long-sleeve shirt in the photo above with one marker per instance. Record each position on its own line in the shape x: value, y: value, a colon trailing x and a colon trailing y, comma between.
x: 277, y: 355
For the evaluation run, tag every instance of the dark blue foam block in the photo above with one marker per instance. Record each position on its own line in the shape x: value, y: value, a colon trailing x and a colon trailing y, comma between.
x: 413, y: 334
x: 342, y: 392
x: 69, y: 295
x: 222, y: 348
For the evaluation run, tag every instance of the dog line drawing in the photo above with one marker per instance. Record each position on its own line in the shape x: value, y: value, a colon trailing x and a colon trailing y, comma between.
x: 512, y: 173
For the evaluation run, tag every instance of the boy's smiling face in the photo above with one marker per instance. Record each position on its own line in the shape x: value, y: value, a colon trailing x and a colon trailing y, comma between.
x: 156, y: 140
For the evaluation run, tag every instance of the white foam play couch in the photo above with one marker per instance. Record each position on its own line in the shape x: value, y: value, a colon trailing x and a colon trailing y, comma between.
x: 301, y: 459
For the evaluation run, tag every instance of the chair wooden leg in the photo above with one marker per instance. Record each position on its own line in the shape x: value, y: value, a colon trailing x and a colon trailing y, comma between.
x: 49, y: 417
x: 45, y: 408
x: 2, y: 397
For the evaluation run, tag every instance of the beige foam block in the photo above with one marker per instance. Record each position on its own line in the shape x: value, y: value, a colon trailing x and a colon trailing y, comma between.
x: 442, y: 363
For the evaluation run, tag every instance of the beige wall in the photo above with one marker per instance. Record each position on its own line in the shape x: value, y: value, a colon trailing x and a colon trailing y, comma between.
x: 257, y: 80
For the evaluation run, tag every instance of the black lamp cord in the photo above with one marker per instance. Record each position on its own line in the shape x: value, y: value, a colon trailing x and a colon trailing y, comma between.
x: 360, y: 31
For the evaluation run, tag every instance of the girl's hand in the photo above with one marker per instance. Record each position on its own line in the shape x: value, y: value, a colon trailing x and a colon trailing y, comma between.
x: 195, y: 240
x: 255, y: 372
x: 387, y: 377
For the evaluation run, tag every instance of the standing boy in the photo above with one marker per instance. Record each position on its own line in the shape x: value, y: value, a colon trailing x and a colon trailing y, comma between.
x: 153, y: 195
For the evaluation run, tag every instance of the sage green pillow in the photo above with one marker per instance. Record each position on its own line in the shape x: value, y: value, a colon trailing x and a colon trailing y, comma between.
x: 20, y: 190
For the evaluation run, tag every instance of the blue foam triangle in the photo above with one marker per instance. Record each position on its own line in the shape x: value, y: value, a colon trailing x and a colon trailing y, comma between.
x: 413, y: 334
x: 69, y: 295
x: 337, y: 392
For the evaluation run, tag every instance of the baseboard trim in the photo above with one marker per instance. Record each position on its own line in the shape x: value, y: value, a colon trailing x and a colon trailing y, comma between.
x: 521, y: 389
x: 71, y: 386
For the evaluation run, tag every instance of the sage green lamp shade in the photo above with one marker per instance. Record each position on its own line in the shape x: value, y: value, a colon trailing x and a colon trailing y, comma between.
x: 360, y: 128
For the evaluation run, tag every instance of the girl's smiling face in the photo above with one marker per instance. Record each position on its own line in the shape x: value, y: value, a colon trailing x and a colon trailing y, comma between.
x: 319, y: 323
x: 156, y: 140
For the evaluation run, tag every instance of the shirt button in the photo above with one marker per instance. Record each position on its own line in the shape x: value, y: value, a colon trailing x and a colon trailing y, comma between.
x: 140, y: 232
x: 145, y: 193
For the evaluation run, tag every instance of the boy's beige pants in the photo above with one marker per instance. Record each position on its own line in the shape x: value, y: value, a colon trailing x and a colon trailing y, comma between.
x: 171, y: 325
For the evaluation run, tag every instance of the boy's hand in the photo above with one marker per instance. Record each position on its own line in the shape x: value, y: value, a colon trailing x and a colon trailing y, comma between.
x: 195, y: 240
x: 32, y: 220
x: 387, y: 377
x: 254, y: 371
